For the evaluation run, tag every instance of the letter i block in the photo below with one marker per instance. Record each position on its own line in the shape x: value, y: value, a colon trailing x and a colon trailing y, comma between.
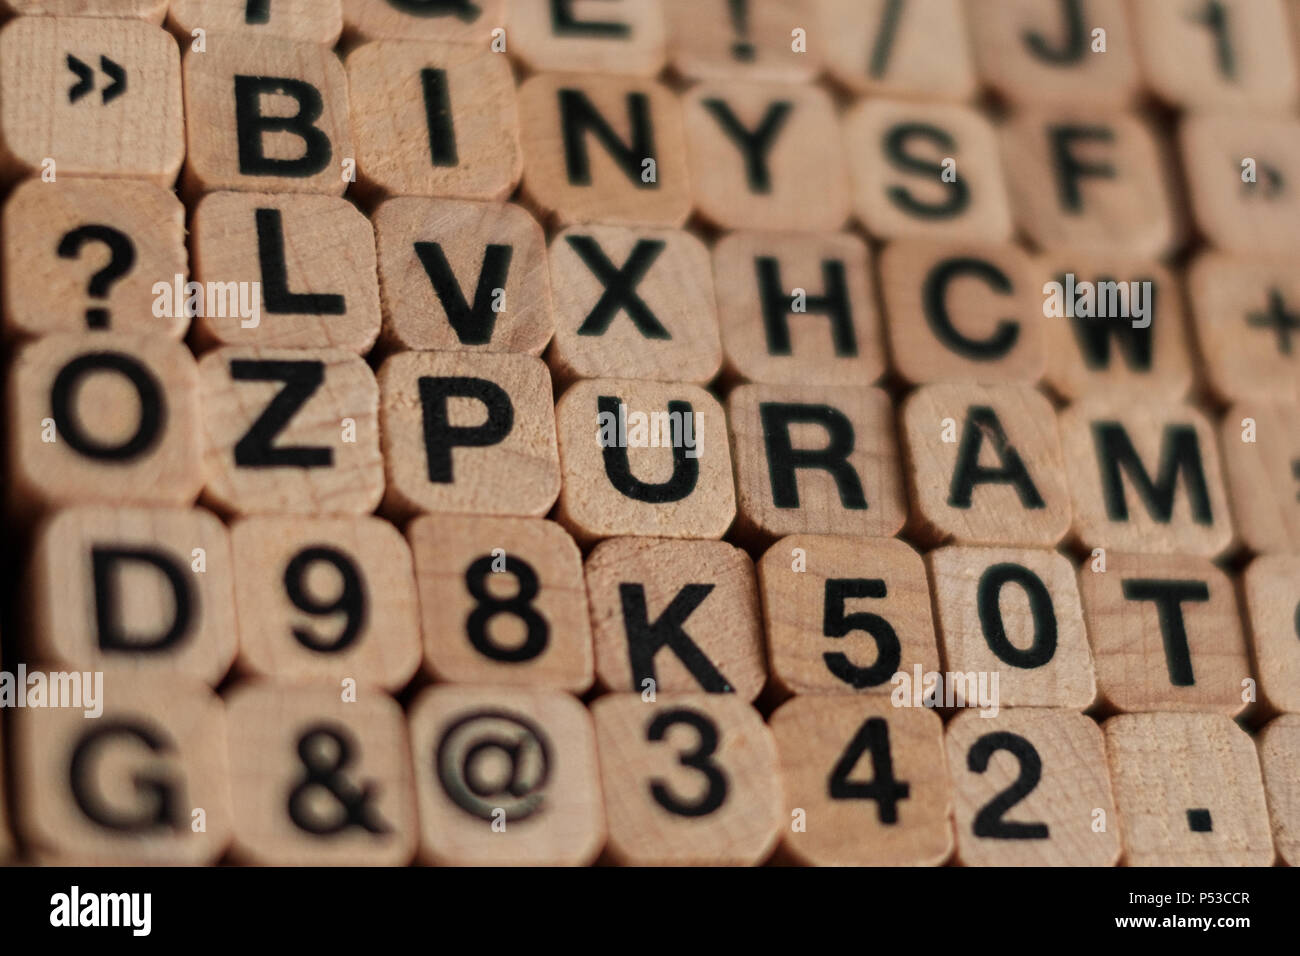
x: 1165, y: 634
x: 90, y: 96
x: 1261, y: 457
x: 460, y: 21
x: 468, y: 433
x: 815, y: 460
x: 142, y: 590
x: 643, y: 458
x: 328, y: 599
x: 1144, y: 477
x: 144, y: 784
x: 609, y: 38
x: 285, y: 271
x: 1188, y: 790
x: 1031, y: 787
x: 317, y: 21
x: 865, y: 782
x: 319, y: 776
x: 290, y: 432
x: 1270, y: 591
x: 103, y: 417
x: 1279, y: 747
x: 693, y: 779
x: 675, y: 617
x: 505, y: 777
x: 709, y: 40
x: 266, y: 115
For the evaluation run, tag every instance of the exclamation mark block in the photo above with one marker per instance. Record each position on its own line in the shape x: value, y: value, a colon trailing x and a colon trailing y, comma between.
x: 742, y: 49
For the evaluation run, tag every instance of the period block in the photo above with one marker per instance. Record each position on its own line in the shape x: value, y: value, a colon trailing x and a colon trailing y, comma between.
x: 1270, y: 594
x: 757, y: 41
x: 1279, y: 744
x: 624, y: 36
x: 317, y: 21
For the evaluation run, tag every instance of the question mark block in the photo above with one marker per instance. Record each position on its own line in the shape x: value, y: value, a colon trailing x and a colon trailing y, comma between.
x: 457, y: 21
x: 314, y: 21
x: 81, y: 246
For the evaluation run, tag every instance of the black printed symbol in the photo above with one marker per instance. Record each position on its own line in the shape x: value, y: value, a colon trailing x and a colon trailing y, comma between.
x: 1278, y: 319
x: 463, y: 10
x: 742, y: 49
x: 1295, y: 473
x: 121, y: 260
x: 1198, y: 821
x: 325, y: 752
x: 493, y: 760
x: 86, y: 79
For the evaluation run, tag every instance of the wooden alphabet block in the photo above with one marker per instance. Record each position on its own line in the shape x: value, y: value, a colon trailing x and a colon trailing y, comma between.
x: 315, y: 21
x: 462, y: 275
x: 434, y: 119
x: 1031, y: 788
x: 266, y: 115
x: 815, y: 459
x: 845, y: 615
x: 1261, y: 457
x: 751, y: 165
x: 608, y: 149
x: 319, y: 779
x: 1229, y: 55
x: 149, y: 10
x: 1089, y: 180
x: 984, y: 465
x: 1165, y: 634
x: 926, y: 171
x: 90, y: 97
x: 502, y: 602
x: 1188, y: 790
x: 129, y: 788
x: 468, y: 433
x: 1014, y: 613
x: 328, y: 599
x: 866, y: 783
x: 471, y: 22
x: 290, y: 431
x: 674, y: 617
x: 692, y: 780
x: 89, y: 253
x: 1144, y: 477
x: 286, y: 271
x: 633, y: 303
x: 1279, y: 743
x: 1270, y: 595
x: 103, y: 417
x: 962, y: 313
x: 916, y: 49
x: 759, y: 40
x: 144, y: 591
x: 643, y: 458
x: 506, y: 777
x: 622, y: 36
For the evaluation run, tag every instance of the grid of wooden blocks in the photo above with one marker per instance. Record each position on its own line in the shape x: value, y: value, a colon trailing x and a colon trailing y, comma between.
x: 652, y: 431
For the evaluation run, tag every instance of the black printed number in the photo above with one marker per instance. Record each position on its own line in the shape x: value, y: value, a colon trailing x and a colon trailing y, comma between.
x: 697, y: 759
x: 520, y: 606
x: 872, y: 736
x: 351, y: 600
x: 989, y: 822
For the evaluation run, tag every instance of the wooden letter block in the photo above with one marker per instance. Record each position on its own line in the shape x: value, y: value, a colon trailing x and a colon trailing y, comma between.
x: 462, y: 275
x: 506, y: 777
x: 148, y: 591
x: 795, y: 308
x: 316, y: 21
x: 290, y: 432
x: 317, y: 779
x: 106, y: 417
x: 1271, y: 599
x: 607, y: 149
x: 1165, y: 634
x: 675, y: 617
x: 1278, y: 746
x: 1144, y: 477
x: 1031, y: 788
x: 1112, y: 330
x: 502, y: 601
x: 755, y: 41
x: 866, y: 783
x: 88, y: 254
x: 814, y: 459
x: 1228, y: 56
x: 844, y: 615
x: 926, y: 171
x: 963, y: 313
x: 266, y: 115
x: 328, y: 599
x: 148, y: 10
x: 1188, y: 790
x: 434, y: 119
x: 633, y: 303
x: 643, y: 458
x: 612, y: 36
x: 1088, y: 180
x: 693, y: 780
x: 287, y: 271
x: 468, y: 433
x: 469, y: 22
x: 127, y: 788
x: 751, y: 162
x: 1261, y: 457
x: 1014, y: 614
x: 915, y: 50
